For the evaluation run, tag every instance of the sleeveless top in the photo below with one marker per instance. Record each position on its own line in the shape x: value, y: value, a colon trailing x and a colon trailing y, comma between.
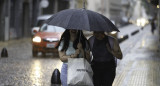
x: 100, y: 52
x: 70, y: 49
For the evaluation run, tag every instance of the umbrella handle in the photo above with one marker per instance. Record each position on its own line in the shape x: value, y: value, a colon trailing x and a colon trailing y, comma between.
x: 80, y: 37
x: 84, y: 5
x: 79, y: 40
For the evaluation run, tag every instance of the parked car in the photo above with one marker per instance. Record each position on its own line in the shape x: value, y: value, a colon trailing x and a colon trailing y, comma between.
x: 46, y: 39
x: 40, y: 21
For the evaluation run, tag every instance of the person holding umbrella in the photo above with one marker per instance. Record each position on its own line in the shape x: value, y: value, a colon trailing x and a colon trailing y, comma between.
x: 83, y: 19
x: 73, y: 44
x: 104, y: 48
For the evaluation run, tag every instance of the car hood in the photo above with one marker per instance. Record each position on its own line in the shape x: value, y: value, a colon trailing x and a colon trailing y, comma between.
x: 44, y: 35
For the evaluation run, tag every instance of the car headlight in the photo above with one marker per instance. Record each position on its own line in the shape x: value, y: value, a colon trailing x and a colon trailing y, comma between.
x: 36, y: 39
x: 113, y: 32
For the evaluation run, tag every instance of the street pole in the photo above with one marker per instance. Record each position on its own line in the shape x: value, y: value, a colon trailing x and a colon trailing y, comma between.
x: 159, y: 19
x: 4, y: 19
x: 7, y: 18
x: 84, y: 4
x: 2, y: 2
x: 159, y: 23
x: 55, y: 6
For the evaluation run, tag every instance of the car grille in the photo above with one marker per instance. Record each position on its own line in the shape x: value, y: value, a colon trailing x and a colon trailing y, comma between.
x: 48, y: 40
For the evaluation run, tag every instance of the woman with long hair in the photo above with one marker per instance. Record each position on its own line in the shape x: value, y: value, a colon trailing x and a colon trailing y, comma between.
x: 73, y: 44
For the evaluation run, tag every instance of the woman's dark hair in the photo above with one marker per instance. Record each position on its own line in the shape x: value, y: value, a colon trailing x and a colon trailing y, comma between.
x: 80, y: 38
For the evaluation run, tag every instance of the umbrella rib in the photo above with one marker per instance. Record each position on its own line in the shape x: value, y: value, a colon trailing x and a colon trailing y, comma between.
x: 69, y: 20
x: 88, y: 23
x: 50, y: 19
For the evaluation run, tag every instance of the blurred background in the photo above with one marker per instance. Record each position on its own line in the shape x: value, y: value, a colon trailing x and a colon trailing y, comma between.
x: 19, y: 16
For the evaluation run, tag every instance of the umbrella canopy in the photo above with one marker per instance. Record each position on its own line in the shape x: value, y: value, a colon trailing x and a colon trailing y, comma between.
x: 82, y: 19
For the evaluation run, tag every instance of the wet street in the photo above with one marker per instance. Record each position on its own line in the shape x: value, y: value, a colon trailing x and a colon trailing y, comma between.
x: 21, y: 69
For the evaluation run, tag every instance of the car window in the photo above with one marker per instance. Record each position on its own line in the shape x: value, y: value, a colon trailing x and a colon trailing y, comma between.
x: 39, y: 23
x: 58, y: 29
x: 50, y: 28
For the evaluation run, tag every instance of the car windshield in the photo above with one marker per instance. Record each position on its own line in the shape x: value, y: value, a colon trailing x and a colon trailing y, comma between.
x: 39, y: 23
x: 50, y: 28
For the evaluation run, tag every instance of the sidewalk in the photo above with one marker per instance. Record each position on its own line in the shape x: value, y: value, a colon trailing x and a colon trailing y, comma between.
x: 14, y: 42
x: 128, y: 30
x: 140, y: 67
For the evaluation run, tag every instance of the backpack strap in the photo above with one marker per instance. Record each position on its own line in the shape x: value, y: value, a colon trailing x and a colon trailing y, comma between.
x: 91, y: 42
x: 111, y: 41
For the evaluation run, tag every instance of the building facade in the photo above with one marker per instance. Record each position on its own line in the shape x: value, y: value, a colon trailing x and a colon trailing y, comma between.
x: 17, y: 17
x: 109, y: 8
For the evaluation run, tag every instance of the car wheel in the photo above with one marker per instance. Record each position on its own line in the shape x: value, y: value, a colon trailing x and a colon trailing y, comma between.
x: 34, y: 53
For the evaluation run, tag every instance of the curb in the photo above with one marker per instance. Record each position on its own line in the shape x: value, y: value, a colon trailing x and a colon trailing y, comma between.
x: 120, y: 40
x: 127, y: 35
x: 134, y: 32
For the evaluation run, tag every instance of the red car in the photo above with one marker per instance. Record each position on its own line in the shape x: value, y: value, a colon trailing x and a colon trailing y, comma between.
x: 46, y: 39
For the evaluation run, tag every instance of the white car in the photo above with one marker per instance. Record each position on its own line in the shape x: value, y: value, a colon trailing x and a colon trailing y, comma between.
x: 40, y: 21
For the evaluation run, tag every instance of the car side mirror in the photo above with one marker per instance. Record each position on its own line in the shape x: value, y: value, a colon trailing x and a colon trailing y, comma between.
x: 35, y: 31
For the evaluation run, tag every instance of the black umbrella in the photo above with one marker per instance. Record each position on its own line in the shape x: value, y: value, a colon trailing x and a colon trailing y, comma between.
x: 82, y: 19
